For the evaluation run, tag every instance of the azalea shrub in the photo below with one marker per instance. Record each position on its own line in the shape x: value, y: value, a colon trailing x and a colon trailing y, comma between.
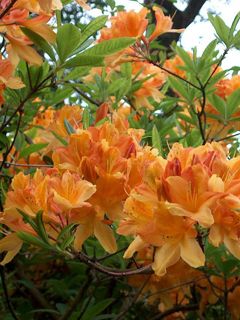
x: 120, y: 180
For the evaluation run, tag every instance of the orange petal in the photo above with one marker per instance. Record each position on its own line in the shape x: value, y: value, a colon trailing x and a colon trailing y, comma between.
x: 215, y: 236
x: 233, y: 246
x: 82, y: 233
x: 105, y: 236
x: 191, y: 252
x: 165, y: 256
x: 12, y: 244
x: 203, y: 215
x: 135, y: 246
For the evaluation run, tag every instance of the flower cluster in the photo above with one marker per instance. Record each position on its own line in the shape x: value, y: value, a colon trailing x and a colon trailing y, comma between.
x: 195, y: 191
x: 149, y: 77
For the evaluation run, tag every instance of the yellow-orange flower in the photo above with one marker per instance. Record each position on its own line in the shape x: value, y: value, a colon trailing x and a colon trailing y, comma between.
x: 126, y: 24
x: 164, y: 24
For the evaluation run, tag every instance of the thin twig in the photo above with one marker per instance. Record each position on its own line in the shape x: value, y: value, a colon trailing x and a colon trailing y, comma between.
x: 176, y: 286
x: 110, y: 271
x: 5, y: 291
x: 22, y: 103
x: 156, y: 64
x: 136, y: 296
x: 228, y: 137
x: 216, y: 67
x: 111, y: 255
x: 26, y: 165
x: 14, y: 139
x: 84, y: 95
x: 76, y: 301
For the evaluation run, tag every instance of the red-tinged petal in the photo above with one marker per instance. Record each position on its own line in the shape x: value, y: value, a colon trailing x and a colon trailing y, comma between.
x: 191, y: 252
x: 165, y: 256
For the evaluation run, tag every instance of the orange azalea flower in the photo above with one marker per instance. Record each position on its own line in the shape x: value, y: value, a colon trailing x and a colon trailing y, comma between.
x: 225, y: 87
x: 173, y: 236
x: 233, y: 303
x: 91, y: 224
x: 52, y: 121
x: 39, y: 6
x: 173, y: 65
x: 19, y: 44
x: 10, y: 244
x: 28, y: 194
x: 150, y: 88
x: 39, y: 26
x: 164, y: 24
x: 166, y: 290
x: 126, y: 24
x: 100, y: 155
x: 7, y: 79
x: 70, y: 192
x: 19, y: 48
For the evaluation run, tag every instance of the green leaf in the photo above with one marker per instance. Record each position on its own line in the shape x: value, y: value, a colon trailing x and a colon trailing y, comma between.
x: 66, y: 231
x: 180, y: 87
x: 186, y: 58
x: 93, y: 27
x: 40, y: 42
x: 233, y: 102
x: 19, y: 142
x: 41, y: 228
x: 126, y: 69
x: 221, y: 29
x: 3, y: 140
x: 208, y: 51
x: 68, y: 40
x: 27, y: 219
x: 109, y: 47
x: 26, y: 237
x: 219, y: 104
x: 156, y: 140
x: 31, y: 149
x: 85, y: 60
x: 68, y: 127
x: 96, y: 309
x: 235, y: 23
x: 86, y: 118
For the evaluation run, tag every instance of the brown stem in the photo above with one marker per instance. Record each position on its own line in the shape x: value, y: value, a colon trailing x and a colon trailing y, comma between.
x: 110, y: 271
x: 14, y: 139
x: 5, y: 292
x: 84, y: 95
x: 22, y: 103
x: 156, y: 64
x: 26, y: 165
x: 216, y: 67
